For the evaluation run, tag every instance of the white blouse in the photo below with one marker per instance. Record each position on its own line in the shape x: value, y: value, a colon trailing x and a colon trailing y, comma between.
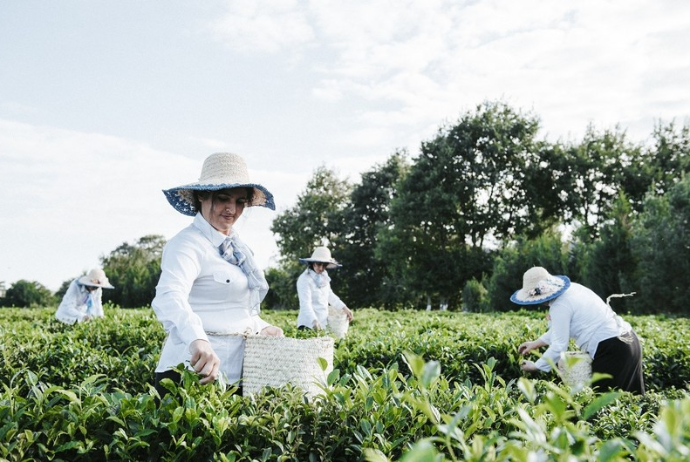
x: 314, y: 300
x: 199, y: 293
x: 582, y: 315
x: 77, y: 303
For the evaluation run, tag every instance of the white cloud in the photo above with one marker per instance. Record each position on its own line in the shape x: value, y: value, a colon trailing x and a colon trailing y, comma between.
x: 266, y: 25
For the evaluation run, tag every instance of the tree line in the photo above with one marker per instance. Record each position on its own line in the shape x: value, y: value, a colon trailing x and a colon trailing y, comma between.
x: 456, y: 225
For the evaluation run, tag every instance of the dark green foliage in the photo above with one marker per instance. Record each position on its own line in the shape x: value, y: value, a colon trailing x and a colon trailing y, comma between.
x: 364, y: 280
x: 25, y: 293
x: 134, y: 271
x: 474, y: 296
x: 608, y: 265
x: 316, y: 219
x: 512, y: 261
x: 282, y: 283
x: 661, y: 245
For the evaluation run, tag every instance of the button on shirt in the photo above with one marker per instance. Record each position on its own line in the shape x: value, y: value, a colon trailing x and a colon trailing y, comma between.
x: 314, y: 300
x: 77, y: 303
x: 200, y: 292
x: 582, y: 315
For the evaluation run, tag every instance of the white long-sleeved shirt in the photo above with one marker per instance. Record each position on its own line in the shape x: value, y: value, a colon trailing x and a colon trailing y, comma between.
x: 582, y: 315
x: 200, y: 292
x: 77, y: 303
x: 314, y: 300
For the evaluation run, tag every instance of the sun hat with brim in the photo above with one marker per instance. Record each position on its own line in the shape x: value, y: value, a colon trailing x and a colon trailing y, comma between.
x: 538, y: 286
x: 96, y: 278
x: 321, y: 255
x: 221, y: 170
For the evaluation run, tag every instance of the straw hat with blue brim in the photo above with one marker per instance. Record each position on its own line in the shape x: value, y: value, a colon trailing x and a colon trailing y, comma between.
x: 221, y: 170
x: 538, y: 286
x: 321, y: 255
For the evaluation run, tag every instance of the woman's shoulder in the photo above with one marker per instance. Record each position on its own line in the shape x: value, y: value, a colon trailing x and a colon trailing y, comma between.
x: 190, y: 239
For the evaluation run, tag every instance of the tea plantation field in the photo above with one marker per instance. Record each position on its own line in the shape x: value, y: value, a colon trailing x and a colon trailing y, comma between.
x: 410, y: 386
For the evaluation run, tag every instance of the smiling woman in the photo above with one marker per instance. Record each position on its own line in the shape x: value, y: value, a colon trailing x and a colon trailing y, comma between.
x: 210, y: 286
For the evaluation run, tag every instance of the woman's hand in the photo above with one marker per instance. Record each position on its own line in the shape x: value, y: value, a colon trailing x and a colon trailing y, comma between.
x: 272, y: 331
x: 528, y: 366
x: 348, y: 313
x: 525, y: 348
x: 204, y: 360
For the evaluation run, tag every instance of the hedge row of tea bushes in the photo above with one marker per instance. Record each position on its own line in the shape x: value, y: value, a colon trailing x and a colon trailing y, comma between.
x: 413, y: 386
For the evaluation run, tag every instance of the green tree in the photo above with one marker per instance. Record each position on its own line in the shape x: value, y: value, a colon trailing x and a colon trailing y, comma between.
x: 661, y: 244
x: 24, y: 294
x: 365, y: 276
x: 669, y: 158
x: 511, y: 262
x: 464, y: 193
x: 134, y: 271
x: 316, y: 219
x: 595, y: 171
x: 608, y: 265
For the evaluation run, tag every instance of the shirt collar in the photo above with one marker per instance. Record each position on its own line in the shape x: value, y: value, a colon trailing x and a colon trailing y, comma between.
x: 209, y: 232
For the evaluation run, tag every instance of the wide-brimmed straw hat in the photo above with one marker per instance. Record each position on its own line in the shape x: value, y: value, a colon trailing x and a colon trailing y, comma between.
x: 96, y: 278
x: 221, y: 170
x: 321, y: 255
x: 538, y: 286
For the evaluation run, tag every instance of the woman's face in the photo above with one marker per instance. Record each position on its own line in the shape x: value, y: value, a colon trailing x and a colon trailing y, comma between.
x: 223, y: 208
x: 319, y: 267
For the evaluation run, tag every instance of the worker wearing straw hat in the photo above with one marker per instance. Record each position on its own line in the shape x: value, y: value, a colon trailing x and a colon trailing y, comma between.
x: 314, y: 291
x: 210, y: 288
x: 577, y: 313
x: 82, y: 301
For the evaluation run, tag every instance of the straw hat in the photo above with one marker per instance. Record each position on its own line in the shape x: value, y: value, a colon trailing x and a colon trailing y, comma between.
x: 538, y: 286
x: 221, y: 170
x: 96, y: 278
x: 321, y: 255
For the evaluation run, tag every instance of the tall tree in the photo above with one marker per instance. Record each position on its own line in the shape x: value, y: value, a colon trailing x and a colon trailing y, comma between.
x: 465, y: 192
x: 608, y: 266
x: 596, y: 170
x: 134, y: 271
x: 365, y: 276
x: 661, y: 243
x: 315, y: 219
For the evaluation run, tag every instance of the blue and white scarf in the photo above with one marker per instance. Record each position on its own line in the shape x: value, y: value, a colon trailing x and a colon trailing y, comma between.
x: 321, y: 280
x: 236, y: 252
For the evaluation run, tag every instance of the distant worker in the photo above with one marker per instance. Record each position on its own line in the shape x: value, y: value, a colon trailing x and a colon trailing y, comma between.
x: 82, y: 301
x: 314, y: 291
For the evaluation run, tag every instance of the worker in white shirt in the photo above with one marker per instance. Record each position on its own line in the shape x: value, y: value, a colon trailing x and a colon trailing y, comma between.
x: 83, y: 299
x: 578, y: 313
x: 210, y: 288
x: 314, y: 291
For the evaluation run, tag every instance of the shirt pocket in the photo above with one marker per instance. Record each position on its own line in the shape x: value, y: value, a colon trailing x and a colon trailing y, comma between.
x: 223, y: 277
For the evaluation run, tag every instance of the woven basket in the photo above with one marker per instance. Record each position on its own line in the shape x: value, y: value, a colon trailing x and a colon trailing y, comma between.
x: 276, y: 361
x: 575, y: 368
x: 337, y: 323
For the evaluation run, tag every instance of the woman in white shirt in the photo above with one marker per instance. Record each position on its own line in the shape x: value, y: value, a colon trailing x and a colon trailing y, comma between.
x: 83, y: 299
x: 577, y: 312
x: 314, y: 291
x: 210, y: 287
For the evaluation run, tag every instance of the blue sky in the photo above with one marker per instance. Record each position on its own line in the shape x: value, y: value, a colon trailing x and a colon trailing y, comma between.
x: 105, y: 103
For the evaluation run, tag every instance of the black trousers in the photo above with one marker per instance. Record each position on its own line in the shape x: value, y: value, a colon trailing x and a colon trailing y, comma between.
x: 621, y: 357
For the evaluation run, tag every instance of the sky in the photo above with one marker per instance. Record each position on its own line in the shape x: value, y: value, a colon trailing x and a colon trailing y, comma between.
x: 103, y: 104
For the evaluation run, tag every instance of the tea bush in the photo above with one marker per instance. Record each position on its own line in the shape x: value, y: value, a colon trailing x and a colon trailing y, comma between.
x: 412, y: 386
